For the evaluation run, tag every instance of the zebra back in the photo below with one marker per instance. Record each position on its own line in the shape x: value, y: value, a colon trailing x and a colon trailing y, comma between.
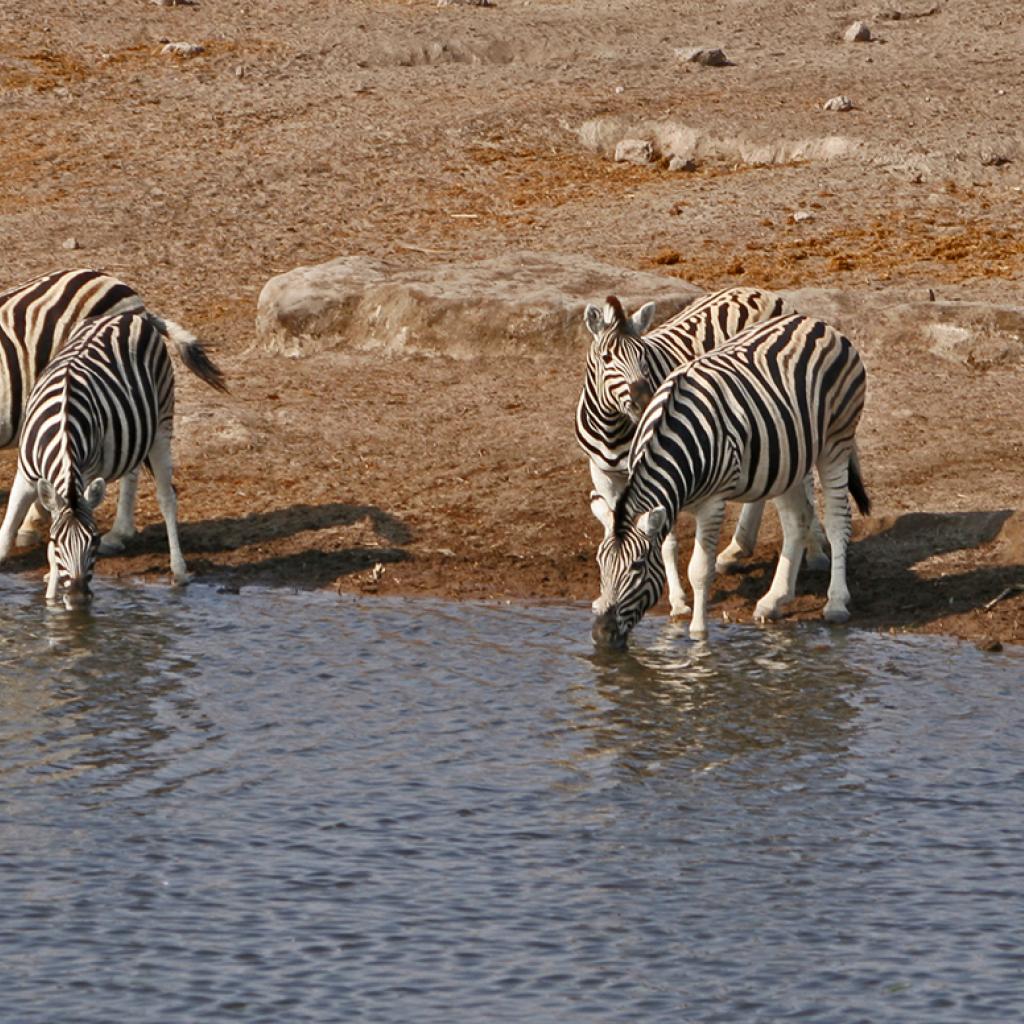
x: 749, y: 420
x: 604, y: 431
x: 36, y: 320
x: 97, y: 407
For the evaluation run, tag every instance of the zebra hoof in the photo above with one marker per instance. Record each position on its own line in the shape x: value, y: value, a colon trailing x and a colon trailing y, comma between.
x: 182, y: 579
x: 680, y: 611
x: 837, y: 616
x: 698, y: 634
x: 110, y: 544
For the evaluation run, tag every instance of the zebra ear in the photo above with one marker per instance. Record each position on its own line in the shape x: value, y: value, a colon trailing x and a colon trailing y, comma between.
x: 640, y: 321
x: 94, y: 493
x: 653, y: 522
x: 48, y: 496
x: 594, y: 320
x: 602, y: 511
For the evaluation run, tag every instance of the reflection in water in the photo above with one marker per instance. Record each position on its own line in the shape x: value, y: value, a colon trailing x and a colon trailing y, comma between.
x: 303, y: 807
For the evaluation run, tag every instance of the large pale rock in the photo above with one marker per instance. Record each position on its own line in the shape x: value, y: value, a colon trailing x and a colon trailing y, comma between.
x: 525, y: 302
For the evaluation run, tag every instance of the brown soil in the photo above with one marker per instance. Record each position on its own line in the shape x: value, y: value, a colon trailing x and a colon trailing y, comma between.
x: 419, y: 133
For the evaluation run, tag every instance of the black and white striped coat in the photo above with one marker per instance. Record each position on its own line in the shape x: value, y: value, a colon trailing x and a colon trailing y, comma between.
x: 746, y: 422
x: 36, y: 320
x: 626, y: 363
x: 101, y: 409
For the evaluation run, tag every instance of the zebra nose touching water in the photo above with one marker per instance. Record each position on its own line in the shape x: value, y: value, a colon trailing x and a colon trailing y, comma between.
x: 626, y: 362
x: 101, y: 409
x: 742, y: 423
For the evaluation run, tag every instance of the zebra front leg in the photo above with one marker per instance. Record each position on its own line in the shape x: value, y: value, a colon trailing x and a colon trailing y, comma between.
x: 676, y: 593
x: 744, y: 537
x: 603, y: 498
x: 124, y: 522
x: 160, y: 463
x: 834, y: 482
x: 23, y: 494
x: 795, y: 515
x: 702, y: 562
x: 53, y: 577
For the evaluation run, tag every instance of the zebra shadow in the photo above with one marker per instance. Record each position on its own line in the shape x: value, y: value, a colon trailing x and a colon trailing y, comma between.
x: 210, y: 545
x: 890, y: 581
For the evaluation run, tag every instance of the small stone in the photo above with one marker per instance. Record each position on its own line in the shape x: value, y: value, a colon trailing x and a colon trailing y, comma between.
x: 710, y: 57
x: 839, y: 103
x: 993, y: 158
x: 619, y: 90
x: 634, y: 151
x: 70, y: 243
x: 183, y: 49
x: 174, y: 3
x: 801, y: 215
x: 858, y: 32
x: 990, y: 645
x: 679, y: 163
x: 240, y: 71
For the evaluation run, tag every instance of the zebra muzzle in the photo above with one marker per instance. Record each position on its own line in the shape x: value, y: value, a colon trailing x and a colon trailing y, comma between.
x: 640, y: 395
x: 606, y: 631
x: 77, y: 594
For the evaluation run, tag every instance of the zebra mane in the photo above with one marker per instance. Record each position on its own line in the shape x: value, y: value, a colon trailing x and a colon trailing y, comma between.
x: 65, y: 457
x: 613, y: 311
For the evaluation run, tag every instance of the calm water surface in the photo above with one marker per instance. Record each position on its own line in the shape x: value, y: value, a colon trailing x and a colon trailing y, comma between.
x: 274, y: 807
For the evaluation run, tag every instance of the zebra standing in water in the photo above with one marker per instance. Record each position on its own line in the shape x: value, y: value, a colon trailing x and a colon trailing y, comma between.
x: 101, y: 409
x: 625, y: 365
x: 36, y: 320
x: 743, y: 423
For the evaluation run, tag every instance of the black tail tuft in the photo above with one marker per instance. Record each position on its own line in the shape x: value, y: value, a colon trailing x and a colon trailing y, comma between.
x: 194, y: 356
x: 856, y: 485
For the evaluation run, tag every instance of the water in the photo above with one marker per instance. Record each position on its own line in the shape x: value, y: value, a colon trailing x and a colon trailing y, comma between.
x: 274, y: 807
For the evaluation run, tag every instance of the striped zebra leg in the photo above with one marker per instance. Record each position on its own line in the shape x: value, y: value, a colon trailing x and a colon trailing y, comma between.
x: 160, y: 463
x: 709, y: 516
x: 795, y: 514
x: 124, y: 522
x: 834, y: 481
x: 744, y: 537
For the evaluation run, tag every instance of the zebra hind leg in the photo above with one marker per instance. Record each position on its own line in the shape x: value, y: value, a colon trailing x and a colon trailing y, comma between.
x: 160, y: 463
x: 834, y: 478
x: 124, y: 522
x: 23, y: 494
x: 34, y: 528
x: 744, y: 538
x: 795, y: 515
x: 817, y: 559
x: 702, y: 563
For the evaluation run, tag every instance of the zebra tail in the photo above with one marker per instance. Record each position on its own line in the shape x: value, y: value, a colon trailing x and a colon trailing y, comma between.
x: 191, y: 351
x: 857, y: 489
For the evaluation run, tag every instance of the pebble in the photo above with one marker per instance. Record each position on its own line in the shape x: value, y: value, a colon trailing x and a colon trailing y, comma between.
x: 711, y: 57
x: 839, y: 103
x: 858, y: 32
x: 801, y: 215
x: 183, y: 49
x: 679, y: 163
x: 70, y: 243
x: 634, y: 151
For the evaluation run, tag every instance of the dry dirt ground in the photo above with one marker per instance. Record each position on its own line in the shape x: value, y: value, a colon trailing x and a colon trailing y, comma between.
x: 420, y: 133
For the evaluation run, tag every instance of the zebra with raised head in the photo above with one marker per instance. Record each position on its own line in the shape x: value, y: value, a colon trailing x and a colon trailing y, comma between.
x: 625, y: 365
x: 745, y: 422
x: 36, y: 319
x: 101, y: 409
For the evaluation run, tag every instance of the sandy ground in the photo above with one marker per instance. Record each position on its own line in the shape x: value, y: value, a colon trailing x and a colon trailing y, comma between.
x: 422, y: 133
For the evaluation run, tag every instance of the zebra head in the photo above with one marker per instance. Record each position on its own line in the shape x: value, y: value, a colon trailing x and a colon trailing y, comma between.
x: 617, y: 359
x: 74, y: 540
x: 632, y: 569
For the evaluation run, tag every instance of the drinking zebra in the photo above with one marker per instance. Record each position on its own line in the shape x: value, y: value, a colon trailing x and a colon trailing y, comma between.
x: 624, y: 367
x: 103, y: 407
x: 745, y: 422
x: 36, y: 320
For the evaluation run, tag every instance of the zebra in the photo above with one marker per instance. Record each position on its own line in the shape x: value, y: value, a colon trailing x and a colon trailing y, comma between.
x: 103, y: 407
x: 36, y: 319
x: 625, y: 364
x: 744, y: 422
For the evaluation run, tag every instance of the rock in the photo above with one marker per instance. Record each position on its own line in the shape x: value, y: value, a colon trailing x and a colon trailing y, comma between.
x: 993, y: 158
x: 839, y: 103
x: 710, y: 57
x: 801, y: 215
x: 679, y: 163
x: 523, y: 303
x: 70, y: 243
x: 634, y: 151
x: 183, y: 49
x: 858, y: 32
